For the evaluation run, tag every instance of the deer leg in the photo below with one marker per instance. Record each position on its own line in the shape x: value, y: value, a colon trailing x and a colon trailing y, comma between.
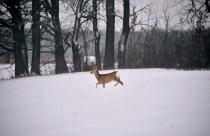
x: 116, y: 83
x: 119, y: 81
x: 103, y: 85
x: 96, y: 85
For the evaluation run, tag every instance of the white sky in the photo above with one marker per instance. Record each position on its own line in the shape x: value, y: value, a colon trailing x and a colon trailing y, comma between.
x: 156, y: 10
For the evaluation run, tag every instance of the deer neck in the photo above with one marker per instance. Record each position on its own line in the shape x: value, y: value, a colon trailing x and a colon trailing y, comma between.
x: 97, y: 75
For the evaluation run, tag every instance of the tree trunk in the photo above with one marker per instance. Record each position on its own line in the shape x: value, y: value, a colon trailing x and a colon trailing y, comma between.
x: 75, y: 44
x: 166, y: 54
x: 20, y: 49
x: 124, y: 36
x: 165, y: 57
x: 60, y: 62
x: 75, y: 49
x: 96, y: 34
x: 85, y: 66
x: 76, y: 53
x: 110, y: 31
x: 207, y: 3
x: 36, y: 37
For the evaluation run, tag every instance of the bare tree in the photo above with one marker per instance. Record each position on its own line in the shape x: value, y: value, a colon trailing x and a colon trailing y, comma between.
x: 165, y: 54
x: 96, y: 34
x: 35, y: 69
x: 75, y: 36
x: 81, y: 9
x: 53, y: 9
x: 124, y: 36
x: 86, y: 45
x: 207, y: 3
x: 17, y: 27
x: 198, y: 13
x: 110, y: 31
x: 127, y: 27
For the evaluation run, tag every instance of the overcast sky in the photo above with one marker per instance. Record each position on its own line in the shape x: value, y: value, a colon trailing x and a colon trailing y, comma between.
x: 175, y: 9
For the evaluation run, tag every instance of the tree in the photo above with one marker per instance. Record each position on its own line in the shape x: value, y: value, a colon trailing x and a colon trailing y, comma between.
x: 96, y: 34
x: 207, y: 3
x: 199, y: 13
x: 127, y: 27
x: 35, y: 69
x: 82, y: 15
x: 110, y: 31
x: 165, y: 54
x: 75, y: 36
x: 53, y: 9
x: 86, y: 45
x: 6, y: 46
x: 124, y: 36
x: 17, y: 27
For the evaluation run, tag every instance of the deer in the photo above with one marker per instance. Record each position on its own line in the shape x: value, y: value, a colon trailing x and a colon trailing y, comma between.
x: 105, y: 78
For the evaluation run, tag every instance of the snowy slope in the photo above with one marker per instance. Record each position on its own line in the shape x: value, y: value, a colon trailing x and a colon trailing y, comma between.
x: 152, y: 102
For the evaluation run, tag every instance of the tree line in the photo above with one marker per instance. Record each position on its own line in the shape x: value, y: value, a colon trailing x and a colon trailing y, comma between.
x: 186, y: 49
x: 15, y: 14
x: 136, y: 48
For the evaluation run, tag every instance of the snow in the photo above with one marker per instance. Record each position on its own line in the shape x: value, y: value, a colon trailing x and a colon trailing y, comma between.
x: 90, y: 60
x: 7, y: 71
x: 152, y: 102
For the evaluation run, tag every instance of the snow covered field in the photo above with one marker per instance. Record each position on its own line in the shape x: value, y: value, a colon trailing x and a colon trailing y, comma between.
x: 152, y: 102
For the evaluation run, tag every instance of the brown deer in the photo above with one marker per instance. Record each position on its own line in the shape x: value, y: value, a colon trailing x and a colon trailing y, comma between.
x: 105, y: 78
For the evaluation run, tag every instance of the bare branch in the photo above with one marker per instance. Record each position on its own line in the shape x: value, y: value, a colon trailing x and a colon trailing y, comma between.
x: 193, y: 3
x: 142, y: 9
x: 6, y: 23
x: 6, y: 48
x: 48, y: 28
x: 7, y: 67
x: 66, y: 41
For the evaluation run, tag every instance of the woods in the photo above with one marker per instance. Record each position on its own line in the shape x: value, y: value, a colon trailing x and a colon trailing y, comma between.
x: 32, y: 33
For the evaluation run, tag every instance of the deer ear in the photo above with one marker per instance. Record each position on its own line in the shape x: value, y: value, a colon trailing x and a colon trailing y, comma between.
x: 95, y: 67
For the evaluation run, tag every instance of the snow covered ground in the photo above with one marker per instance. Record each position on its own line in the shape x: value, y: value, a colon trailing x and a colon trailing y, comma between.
x: 7, y: 71
x: 152, y: 102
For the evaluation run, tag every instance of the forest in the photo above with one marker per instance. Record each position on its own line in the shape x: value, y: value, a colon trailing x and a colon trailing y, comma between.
x: 32, y: 34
